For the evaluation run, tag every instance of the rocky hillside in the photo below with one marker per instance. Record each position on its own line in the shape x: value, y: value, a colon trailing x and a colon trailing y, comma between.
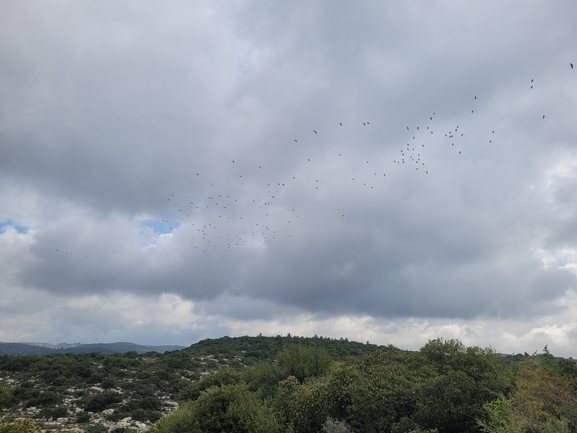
x: 97, y: 392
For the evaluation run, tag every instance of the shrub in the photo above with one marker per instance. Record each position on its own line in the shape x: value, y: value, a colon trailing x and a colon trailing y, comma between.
x: 96, y: 428
x: 102, y: 401
x: 20, y: 426
x: 83, y: 418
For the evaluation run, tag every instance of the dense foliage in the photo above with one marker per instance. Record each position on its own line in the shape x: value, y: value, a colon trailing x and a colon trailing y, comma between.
x: 100, y: 392
x: 291, y: 385
x: 445, y: 387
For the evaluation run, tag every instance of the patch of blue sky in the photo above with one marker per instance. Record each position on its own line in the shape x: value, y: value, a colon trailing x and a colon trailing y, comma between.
x: 160, y: 227
x: 561, y: 262
x: 11, y: 223
x: 243, y: 68
x: 151, y: 230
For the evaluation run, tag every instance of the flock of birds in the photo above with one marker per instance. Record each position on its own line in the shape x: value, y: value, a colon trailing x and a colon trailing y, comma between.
x: 251, y: 212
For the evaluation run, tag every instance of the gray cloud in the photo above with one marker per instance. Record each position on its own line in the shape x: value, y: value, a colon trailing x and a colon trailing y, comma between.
x: 201, y: 117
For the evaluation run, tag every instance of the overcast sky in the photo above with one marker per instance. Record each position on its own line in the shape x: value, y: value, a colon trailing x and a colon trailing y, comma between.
x: 386, y: 171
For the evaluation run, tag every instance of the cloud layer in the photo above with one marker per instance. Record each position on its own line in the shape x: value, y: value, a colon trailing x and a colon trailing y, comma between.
x: 390, y: 172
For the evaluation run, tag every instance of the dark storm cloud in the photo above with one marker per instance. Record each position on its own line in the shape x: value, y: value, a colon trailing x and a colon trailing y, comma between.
x: 387, y: 160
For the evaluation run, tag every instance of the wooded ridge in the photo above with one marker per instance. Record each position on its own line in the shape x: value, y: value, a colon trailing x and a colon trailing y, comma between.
x: 291, y: 384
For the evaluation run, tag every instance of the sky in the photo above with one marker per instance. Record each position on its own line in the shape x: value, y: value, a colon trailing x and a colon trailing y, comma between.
x: 380, y: 171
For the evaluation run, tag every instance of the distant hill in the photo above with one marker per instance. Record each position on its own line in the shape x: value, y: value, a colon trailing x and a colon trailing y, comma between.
x: 83, y: 387
x: 125, y: 387
x: 247, y: 350
x: 250, y: 349
x: 46, y: 349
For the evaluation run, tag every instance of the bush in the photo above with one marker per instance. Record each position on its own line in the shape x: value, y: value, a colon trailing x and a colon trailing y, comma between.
x: 83, y: 418
x: 108, y: 383
x: 150, y: 403
x: 139, y: 415
x: 96, y: 428
x: 153, y: 415
x: 231, y: 408
x: 6, y: 396
x: 225, y: 376
x: 116, y: 416
x: 54, y: 412
x: 19, y: 426
x: 102, y: 401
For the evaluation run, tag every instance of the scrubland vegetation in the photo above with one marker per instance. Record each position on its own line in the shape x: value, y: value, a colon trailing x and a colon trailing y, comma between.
x: 291, y: 385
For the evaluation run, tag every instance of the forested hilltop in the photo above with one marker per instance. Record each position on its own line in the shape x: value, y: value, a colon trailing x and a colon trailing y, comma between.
x: 291, y: 384
x: 99, y: 392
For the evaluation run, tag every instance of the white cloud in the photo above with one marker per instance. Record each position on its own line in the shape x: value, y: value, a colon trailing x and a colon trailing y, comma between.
x: 203, y: 114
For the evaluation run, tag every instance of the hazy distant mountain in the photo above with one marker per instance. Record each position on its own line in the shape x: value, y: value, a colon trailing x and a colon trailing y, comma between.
x: 46, y: 348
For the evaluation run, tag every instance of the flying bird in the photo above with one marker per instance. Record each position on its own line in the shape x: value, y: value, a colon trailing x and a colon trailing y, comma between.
x: 571, y: 65
x: 315, y: 131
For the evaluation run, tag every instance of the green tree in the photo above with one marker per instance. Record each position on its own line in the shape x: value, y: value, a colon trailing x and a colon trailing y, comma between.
x: 468, y: 377
x: 303, y: 362
x: 499, y: 417
x: 450, y: 403
x: 222, y: 377
x: 300, y: 362
x: 230, y: 408
x: 540, y: 402
x: 302, y: 407
x: 373, y: 392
